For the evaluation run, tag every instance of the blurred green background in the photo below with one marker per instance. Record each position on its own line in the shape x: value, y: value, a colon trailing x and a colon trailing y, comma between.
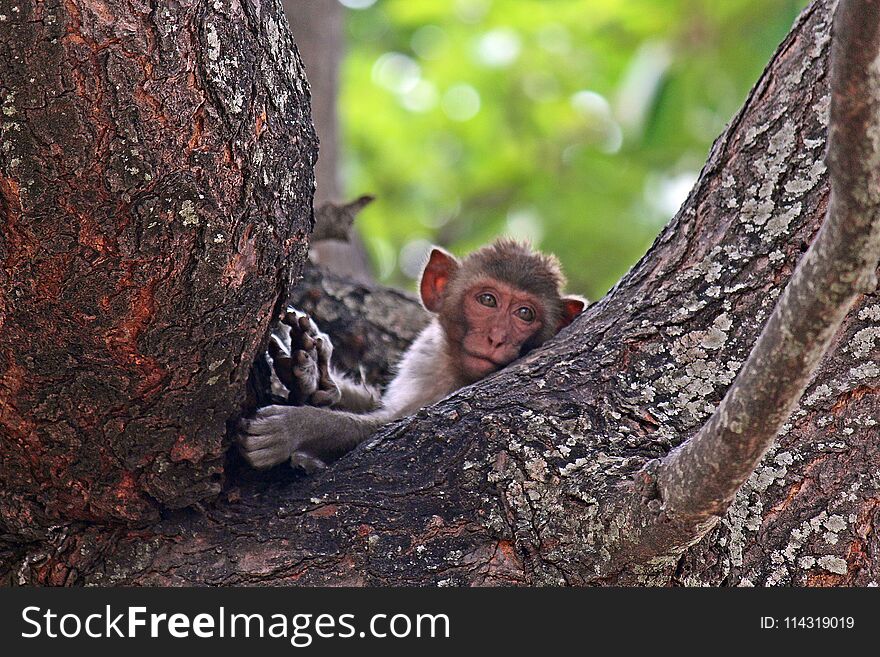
x: 580, y: 124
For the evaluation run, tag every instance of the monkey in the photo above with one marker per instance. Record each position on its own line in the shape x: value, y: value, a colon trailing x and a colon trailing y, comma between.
x: 488, y: 310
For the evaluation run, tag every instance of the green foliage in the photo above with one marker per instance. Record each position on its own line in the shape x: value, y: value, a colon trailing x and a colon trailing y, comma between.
x: 579, y: 123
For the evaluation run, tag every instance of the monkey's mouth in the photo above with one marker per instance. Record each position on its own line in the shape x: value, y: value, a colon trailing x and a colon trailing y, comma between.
x: 483, y: 363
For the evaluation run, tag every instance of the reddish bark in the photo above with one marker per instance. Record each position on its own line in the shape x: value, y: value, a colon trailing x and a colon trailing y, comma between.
x: 156, y: 181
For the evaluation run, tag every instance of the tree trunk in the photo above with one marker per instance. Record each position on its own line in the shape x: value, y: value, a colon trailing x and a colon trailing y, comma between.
x: 318, y: 27
x: 505, y: 482
x: 156, y: 181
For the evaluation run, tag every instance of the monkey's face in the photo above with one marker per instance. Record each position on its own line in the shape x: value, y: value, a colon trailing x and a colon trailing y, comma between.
x: 498, y: 321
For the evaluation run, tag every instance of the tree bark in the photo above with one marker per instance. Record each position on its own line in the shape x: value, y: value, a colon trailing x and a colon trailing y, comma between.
x: 156, y: 181
x: 676, y: 500
x: 318, y: 29
x: 507, y: 481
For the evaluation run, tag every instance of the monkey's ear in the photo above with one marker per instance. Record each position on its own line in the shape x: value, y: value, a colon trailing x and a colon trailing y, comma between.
x: 572, y: 306
x: 440, y: 268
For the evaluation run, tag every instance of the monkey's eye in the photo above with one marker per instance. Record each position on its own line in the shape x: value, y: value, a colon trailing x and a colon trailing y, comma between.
x: 487, y: 300
x: 526, y: 314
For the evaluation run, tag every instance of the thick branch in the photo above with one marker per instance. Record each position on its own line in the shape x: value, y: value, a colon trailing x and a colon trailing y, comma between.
x: 155, y: 197
x: 698, y: 481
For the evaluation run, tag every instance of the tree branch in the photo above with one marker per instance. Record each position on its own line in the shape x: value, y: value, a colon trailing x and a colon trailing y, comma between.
x: 334, y: 221
x: 697, y: 482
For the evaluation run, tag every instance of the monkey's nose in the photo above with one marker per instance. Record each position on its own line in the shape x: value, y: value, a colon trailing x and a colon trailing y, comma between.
x: 496, y: 340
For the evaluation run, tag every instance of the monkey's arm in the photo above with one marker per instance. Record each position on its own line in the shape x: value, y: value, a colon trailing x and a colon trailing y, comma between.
x: 308, y: 437
x: 355, y: 396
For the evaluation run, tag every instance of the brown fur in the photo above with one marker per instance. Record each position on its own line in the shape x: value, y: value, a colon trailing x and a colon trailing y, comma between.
x: 519, y: 265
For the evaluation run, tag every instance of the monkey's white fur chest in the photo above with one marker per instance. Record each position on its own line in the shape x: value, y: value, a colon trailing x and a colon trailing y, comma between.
x: 421, y: 379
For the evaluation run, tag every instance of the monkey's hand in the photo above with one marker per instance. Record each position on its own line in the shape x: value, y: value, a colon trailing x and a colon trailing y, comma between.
x: 274, y: 435
x: 306, y: 436
x: 300, y: 356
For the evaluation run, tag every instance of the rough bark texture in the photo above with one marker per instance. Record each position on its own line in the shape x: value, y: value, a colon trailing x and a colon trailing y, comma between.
x: 677, y: 499
x: 505, y: 481
x: 156, y: 180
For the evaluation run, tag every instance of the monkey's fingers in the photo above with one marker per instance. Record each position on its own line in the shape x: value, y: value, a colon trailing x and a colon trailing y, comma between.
x: 328, y: 392
x: 304, y: 380
x: 301, y: 340
x: 283, y: 367
x: 250, y: 439
x: 291, y: 322
x: 306, y: 325
x: 266, y: 457
x: 306, y: 462
x: 291, y: 316
x: 301, y: 330
x: 324, y: 348
x: 265, y: 440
